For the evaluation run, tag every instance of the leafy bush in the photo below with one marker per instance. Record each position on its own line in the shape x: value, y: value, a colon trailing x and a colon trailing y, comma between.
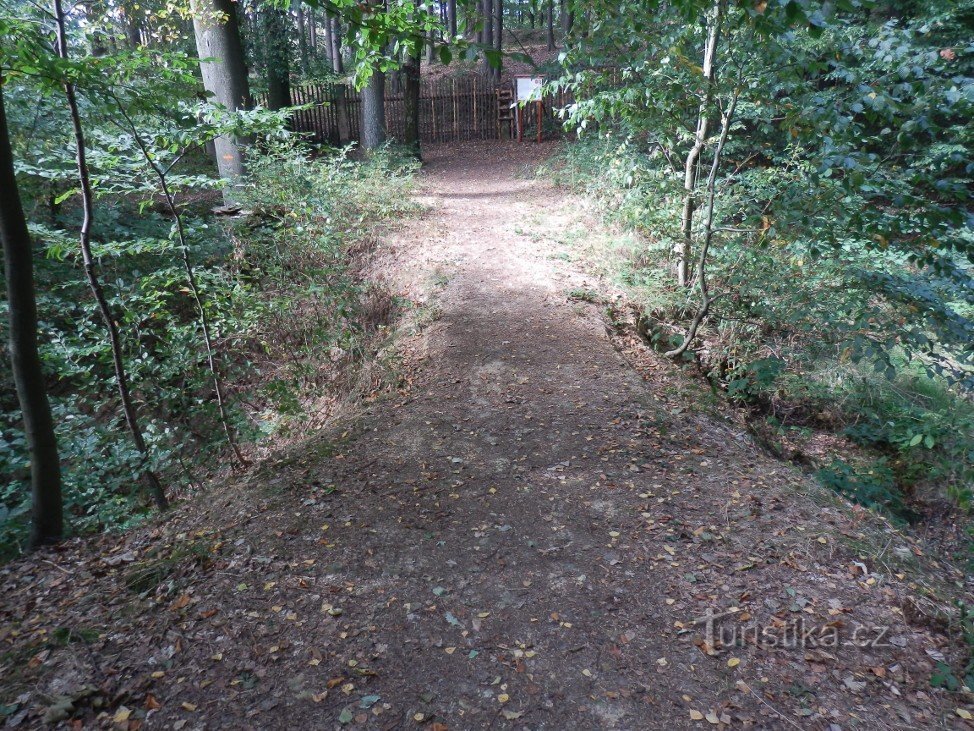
x: 944, y: 676
x: 280, y: 286
x: 872, y: 486
x: 811, y: 340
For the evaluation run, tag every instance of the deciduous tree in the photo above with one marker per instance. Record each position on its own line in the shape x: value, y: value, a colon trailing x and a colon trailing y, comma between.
x: 47, y: 524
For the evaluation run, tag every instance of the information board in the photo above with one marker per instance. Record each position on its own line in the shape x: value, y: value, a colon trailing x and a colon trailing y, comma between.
x: 528, y: 88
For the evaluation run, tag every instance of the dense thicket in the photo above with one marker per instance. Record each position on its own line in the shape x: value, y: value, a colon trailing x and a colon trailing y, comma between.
x: 801, y: 175
x: 168, y: 336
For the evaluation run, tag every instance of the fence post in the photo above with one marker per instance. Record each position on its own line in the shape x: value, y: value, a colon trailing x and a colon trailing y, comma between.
x: 433, y: 110
x: 341, y: 113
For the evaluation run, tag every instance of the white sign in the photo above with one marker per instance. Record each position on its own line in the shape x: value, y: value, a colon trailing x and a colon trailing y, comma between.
x: 529, y: 88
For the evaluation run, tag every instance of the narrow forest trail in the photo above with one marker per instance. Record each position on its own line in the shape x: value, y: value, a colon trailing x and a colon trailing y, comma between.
x: 526, y: 539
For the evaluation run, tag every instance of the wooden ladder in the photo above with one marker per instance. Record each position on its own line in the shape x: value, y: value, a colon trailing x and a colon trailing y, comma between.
x: 505, y: 110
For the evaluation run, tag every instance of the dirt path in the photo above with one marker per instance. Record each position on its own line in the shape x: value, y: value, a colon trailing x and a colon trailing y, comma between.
x: 524, y: 540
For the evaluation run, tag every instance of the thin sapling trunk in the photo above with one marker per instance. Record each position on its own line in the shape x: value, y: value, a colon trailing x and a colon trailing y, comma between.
x: 684, y: 252
x: 87, y: 198
x: 162, y: 174
x: 706, y: 298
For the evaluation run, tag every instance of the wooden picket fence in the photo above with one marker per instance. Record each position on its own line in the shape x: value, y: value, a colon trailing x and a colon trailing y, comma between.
x: 451, y: 110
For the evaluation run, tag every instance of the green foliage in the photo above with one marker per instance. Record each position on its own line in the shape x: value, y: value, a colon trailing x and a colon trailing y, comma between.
x: 850, y: 143
x: 944, y: 675
x: 842, y: 247
x: 310, y: 210
x: 925, y: 431
x: 277, y: 288
x: 872, y: 486
x: 280, y: 292
x: 747, y: 381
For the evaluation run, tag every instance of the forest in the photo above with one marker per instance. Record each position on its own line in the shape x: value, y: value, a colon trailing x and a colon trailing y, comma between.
x: 487, y: 363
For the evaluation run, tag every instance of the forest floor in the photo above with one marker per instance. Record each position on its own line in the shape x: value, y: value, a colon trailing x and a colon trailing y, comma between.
x: 531, y: 533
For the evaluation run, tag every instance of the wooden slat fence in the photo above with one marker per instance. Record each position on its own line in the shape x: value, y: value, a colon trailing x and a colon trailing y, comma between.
x: 451, y: 110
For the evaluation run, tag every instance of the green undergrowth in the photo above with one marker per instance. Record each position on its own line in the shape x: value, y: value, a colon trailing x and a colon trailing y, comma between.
x: 290, y: 311
x: 785, y: 343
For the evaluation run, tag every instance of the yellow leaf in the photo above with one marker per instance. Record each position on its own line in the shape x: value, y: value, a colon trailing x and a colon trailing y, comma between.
x: 122, y: 715
x: 733, y: 662
x: 695, y: 715
x: 964, y: 713
x: 188, y: 706
x: 503, y: 698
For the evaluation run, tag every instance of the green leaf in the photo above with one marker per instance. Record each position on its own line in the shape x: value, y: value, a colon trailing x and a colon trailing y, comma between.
x: 65, y: 195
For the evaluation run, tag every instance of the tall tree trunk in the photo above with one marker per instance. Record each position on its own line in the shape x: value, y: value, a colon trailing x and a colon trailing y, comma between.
x: 328, y: 44
x: 225, y: 77
x: 551, y: 25
x: 299, y: 22
x: 47, y: 522
x: 410, y: 100
x: 133, y: 29
x: 487, y: 6
x: 278, y: 59
x: 394, y: 80
x: 475, y: 21
x: 313, y: 31
x: 84, y: 236
x: 451, y: 15
x: 567, y: 18
x: 498, y: 30
x: 684, y: 251
x: 431, y: 47
x: 374, y: 111
x: 337, y: 64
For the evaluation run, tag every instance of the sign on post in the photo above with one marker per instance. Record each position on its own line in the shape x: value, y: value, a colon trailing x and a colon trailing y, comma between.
x: 527, y: 89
